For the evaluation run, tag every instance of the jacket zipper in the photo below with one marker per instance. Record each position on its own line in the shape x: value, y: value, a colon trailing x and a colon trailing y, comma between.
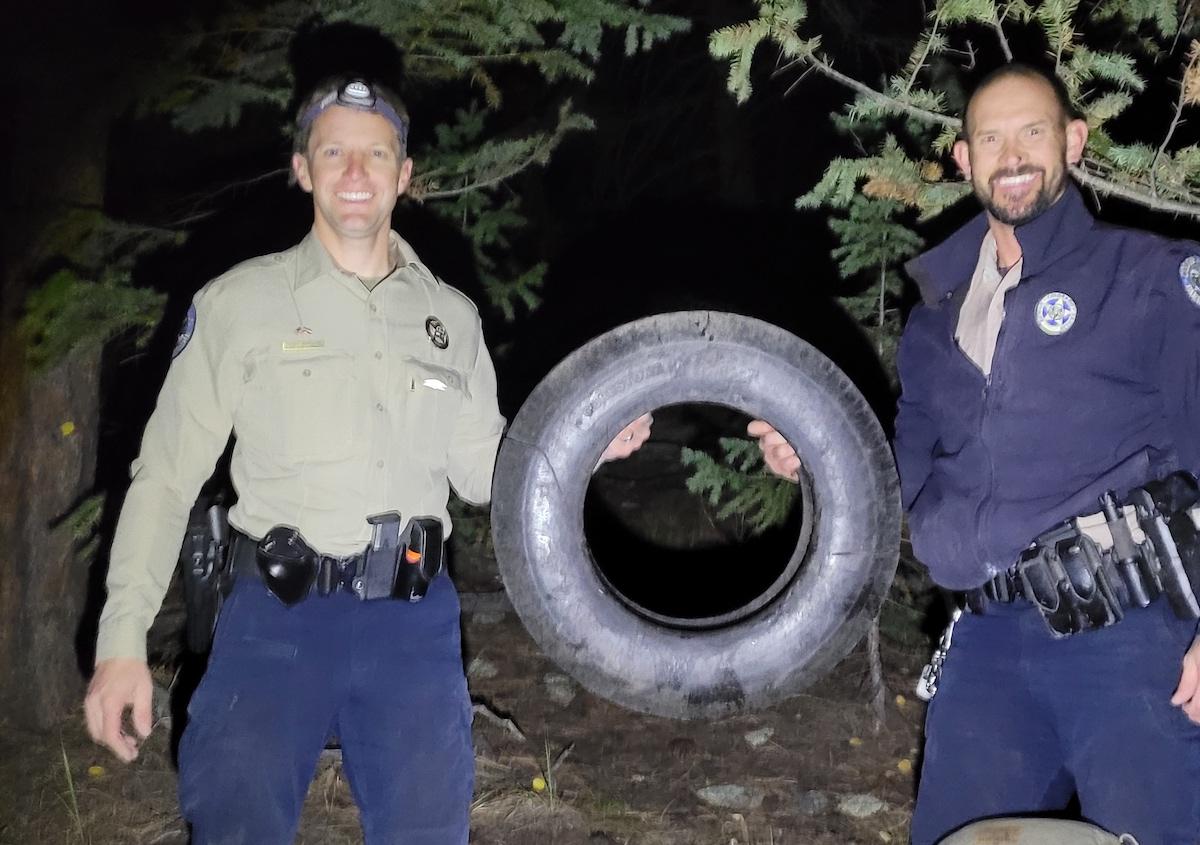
x: 991, y: 385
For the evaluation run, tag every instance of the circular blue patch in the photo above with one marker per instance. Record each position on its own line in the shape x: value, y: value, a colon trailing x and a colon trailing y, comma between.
x: 1055, y: 313
x: 185, y: 331
x: 1189, y: 275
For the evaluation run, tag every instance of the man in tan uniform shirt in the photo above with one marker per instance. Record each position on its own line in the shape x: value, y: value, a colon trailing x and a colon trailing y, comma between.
x: 356, y: 383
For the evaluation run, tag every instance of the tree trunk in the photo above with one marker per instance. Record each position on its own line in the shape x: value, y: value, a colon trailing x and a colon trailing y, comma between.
x: 57, y: 159
x: 48, y: 464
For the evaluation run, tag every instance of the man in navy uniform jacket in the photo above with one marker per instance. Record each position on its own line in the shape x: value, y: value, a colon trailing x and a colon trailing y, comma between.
x: 1052, y: 359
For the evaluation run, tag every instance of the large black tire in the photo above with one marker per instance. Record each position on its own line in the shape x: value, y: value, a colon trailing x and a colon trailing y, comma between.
x: 838, y: 574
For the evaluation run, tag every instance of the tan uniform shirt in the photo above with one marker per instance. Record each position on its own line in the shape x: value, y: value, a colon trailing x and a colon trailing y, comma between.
x: 342, y: 406
x: 982, y: 312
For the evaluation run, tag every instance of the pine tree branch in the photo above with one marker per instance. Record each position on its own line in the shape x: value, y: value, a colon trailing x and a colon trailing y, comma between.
x: 1003, y: 39
x: 924, y: 56
x: 1142, y: 196
x: 448, y: 193
x: 882, y: 310
x: 1163, y: 146
x: 1085, y: 172
x: 476, y: 57
x: 256, y: 30
x: 872, y: 94
x: 196, y: 213
x: 1179, y: 103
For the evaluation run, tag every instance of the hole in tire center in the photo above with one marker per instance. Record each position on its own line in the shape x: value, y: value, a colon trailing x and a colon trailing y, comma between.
x: 671, y: 554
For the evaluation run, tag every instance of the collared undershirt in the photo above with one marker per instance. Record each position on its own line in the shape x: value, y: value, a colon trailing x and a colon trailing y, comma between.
x: 394, y: 258
x: 370, y: 282
x: 982, y: 311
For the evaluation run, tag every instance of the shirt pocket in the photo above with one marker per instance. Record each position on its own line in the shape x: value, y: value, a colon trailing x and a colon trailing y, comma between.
x: 434, y: 395
x: 319, y: 410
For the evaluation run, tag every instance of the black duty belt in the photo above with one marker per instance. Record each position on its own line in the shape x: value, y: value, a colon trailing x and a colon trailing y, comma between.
x: 332, y: 573
x: 398, y: 563
x: 1089, y: 570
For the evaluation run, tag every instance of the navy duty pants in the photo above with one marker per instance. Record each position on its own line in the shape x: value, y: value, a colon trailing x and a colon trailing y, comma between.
x: 385, y: 676
x: 1022, y: 721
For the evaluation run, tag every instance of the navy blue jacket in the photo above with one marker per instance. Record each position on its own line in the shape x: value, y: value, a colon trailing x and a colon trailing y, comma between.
x: 987, y: 464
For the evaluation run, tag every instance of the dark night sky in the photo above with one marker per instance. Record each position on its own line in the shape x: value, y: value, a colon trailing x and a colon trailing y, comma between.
x: 678, y: 200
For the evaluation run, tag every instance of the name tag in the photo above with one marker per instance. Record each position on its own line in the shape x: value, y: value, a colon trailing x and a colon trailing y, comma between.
x: 301, y: 345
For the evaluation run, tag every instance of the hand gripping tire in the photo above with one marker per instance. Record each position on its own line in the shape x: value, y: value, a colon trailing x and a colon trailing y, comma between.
x: 823, y: 601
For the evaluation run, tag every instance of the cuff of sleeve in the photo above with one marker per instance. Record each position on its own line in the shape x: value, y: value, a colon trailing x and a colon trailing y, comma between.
x: 124, y: 638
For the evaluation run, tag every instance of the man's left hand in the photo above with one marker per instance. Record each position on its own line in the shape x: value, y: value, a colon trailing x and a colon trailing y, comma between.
x: 629, y: 440
x: 1187, y: 695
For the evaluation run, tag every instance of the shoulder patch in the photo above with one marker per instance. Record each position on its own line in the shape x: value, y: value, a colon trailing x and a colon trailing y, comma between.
x: 1189, y: 277
x: 185, y: 331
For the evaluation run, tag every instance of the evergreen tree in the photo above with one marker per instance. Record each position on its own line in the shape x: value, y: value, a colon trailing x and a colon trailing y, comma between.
x: 1115, y: 56
x: 739, y: 486
x: 237, y: 59
x: 1118, y: 58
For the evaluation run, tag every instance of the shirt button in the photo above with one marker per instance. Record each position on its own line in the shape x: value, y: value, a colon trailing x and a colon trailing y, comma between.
x: 379, y: 464
x: 308, y: 372
x: 378, y: 356
x: 373, y: 308
x: 378, y: 406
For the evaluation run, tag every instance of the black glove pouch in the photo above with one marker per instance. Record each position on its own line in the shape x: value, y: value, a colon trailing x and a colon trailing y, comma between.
x: 287, y: 563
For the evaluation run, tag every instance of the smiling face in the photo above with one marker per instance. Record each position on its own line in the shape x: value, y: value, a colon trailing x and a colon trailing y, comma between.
x: 1017, y: 147
x: 355, y: 170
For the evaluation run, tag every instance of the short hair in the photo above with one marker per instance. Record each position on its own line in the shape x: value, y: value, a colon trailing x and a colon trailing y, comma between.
x: 1022, y: 70
x: 327, y: 90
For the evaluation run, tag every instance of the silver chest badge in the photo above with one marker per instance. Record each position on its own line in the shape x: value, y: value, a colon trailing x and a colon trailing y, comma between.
x: 1189, y: 275
x: 437, y: 332
x: 1055, y: 313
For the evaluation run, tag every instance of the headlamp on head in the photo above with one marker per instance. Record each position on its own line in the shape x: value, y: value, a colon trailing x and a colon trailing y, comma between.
x: 357, y: 94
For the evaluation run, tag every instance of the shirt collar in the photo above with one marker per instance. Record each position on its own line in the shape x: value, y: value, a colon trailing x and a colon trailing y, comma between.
x: 1043, y: 240
x: 314, y: 261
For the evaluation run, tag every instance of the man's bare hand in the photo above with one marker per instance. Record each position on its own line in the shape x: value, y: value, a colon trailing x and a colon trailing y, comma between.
x: 629, y: 440
x: 778, y: 454
x: 119, y: 684
x: 1187, y: 694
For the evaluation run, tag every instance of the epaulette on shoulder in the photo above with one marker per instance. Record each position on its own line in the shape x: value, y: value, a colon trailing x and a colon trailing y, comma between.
x: 455, y: 292
x: 257, y: 267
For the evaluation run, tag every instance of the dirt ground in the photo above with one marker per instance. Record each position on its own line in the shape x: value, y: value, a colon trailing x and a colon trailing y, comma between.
x: 613, y: 776
x: 811, y: 770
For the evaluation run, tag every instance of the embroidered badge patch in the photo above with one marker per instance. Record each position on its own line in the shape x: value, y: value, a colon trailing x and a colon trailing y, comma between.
x: 1189, y: 275
x: 185, y: 331
x: 1055, y: 313
x: 437, y: 332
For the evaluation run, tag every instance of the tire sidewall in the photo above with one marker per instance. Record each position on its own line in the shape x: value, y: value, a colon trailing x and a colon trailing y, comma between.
x: 546, y: 463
